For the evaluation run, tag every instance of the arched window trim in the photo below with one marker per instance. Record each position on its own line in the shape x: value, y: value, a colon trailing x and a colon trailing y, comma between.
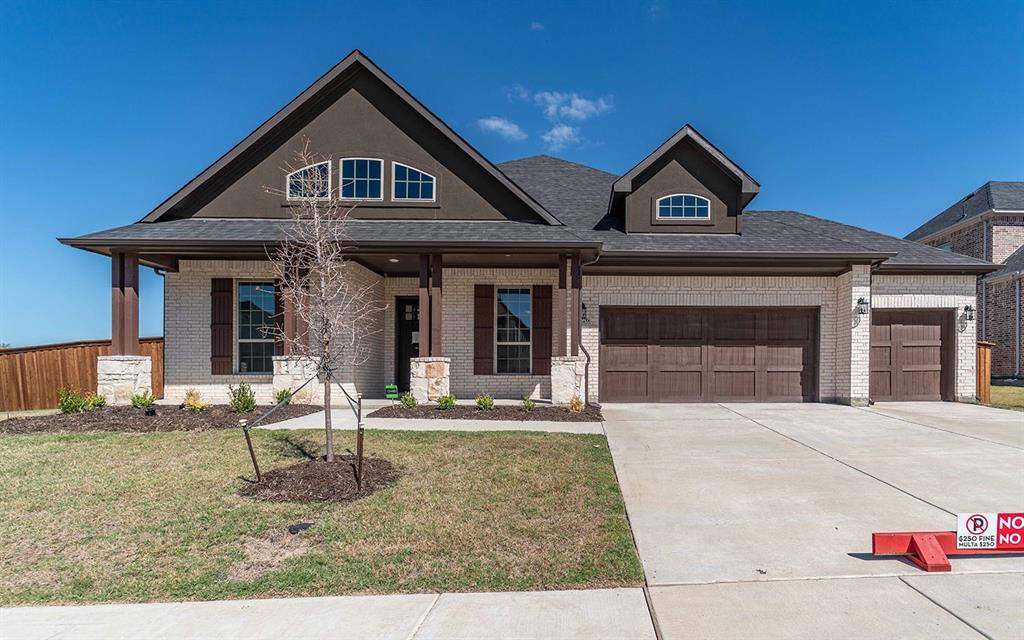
x: 395, y: 164
x: 341, y: 179
x: 657, y: 207
x: 288, y: 182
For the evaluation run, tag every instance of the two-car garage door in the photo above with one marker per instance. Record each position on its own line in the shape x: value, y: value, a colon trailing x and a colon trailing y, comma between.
x: 690, y: 354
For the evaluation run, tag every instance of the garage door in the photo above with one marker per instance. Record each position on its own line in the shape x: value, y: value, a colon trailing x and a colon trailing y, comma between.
x: 909, y: 352
x: 688, y: 354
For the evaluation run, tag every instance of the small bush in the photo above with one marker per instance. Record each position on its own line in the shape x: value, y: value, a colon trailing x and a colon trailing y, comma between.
x: 69, y: 401
x: 143, y: 400
x: 444, y: 403
x: 94, y: 401
x: 576, y: 405
x: 241, y: 398
x: 484, y: 402
x: 193, y: 400
x: 283, y: 396
x: 528, y: 405
x: 408, y: 401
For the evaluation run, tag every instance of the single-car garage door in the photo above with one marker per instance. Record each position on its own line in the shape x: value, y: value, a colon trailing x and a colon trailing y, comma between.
x: 691, y: 354
x: 911, y: 354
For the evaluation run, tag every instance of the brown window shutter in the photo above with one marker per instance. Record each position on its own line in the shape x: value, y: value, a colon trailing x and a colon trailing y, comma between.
x: 279, y: 326
x: 483, y: 329
x: 221, y: 307
x: 541, y: 330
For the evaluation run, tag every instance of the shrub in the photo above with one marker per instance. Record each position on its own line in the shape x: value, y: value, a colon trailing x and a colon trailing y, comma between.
x: 444, y: 403
x: 484, y: 402
x: 193, y: 400
x: 241, y: 398
x: 143, y: 400
x: 408, y: 401
x: 94, y: 401
x: 576, y: 405
x: 69, y: 401
x: 283, y: 396
x: 528, y: 404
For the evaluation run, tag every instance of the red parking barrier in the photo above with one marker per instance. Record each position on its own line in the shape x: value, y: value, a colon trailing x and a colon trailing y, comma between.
x: 927, y: 549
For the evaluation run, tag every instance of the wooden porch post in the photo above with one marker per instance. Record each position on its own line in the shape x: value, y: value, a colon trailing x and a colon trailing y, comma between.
x: 124, y: 308
x: 436, y: 306
x: 559, y: 324
x: 424, y: 305
x: 577, y: 284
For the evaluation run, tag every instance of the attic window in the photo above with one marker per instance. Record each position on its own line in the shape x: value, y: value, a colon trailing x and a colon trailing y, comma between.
x: 408, y: 183
x: 361, y: 178
x: 684, y: 206
x: 312, y: 182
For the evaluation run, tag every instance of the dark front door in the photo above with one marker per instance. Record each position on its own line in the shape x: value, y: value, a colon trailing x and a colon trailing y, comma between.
x: 407, y: 338
x: 910, y: 350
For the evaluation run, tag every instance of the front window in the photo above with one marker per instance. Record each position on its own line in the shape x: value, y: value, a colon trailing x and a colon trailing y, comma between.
x: 512, y: 331
x: 684, y: 206
x: 361, y: 178
x: 411, y: 184
x: 310, y: 183
x: 256, y: 327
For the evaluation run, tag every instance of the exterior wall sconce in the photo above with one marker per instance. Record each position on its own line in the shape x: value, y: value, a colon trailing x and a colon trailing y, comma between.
x: 583, y: 313
x: 968, y: 312
x: 862, y: 306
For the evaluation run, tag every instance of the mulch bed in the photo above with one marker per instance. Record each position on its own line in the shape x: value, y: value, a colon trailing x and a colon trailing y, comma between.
x: 499, y: 412
x: 319, y: 480
x: 167, y: 418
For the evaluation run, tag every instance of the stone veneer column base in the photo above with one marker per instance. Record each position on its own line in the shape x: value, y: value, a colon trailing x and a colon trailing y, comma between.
x: 567, y: 378
x: 429, y: 378
x: 853, y: 402
x: 290, y: 372
x: 118, y: 378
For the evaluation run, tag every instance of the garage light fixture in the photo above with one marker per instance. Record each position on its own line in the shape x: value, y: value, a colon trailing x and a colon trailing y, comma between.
x: 968, y: 312
x: 862, y: 306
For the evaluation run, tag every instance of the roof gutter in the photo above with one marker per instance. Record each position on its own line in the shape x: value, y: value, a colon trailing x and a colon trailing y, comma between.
x: 967, y: 222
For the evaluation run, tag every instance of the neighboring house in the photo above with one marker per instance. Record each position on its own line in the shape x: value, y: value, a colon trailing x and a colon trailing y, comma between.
x: 988, y: 224
x: 542, y: 277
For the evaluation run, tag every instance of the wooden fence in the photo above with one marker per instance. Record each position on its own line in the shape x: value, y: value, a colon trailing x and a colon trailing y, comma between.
x: 30, y: 377
x: 984, y: 370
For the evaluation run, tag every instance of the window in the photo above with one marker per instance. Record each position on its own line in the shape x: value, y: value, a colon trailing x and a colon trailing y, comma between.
x: 683, y: 206
x: 256, y: 327
x: 946, y: 246
x: 361, y: 179
x: 512, y: 331
x: 310, y: 183
x: 411, y: 184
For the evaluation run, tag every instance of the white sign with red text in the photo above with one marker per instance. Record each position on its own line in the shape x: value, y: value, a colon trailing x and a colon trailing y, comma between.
x: 1000, y: 531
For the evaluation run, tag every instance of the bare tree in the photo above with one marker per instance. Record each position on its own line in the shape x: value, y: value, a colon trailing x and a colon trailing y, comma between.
x: 335, y: 308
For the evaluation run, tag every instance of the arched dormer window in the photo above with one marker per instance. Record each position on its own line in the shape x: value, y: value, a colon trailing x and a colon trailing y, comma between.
x: 410, y: 184
x: 312, y: 182
x: 684, y: 206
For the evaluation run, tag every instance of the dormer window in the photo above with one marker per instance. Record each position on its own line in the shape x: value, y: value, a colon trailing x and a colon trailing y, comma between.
x: 362, y: 179
x: 410, y: 184
x: 312, y: 182
x: 684, y: 206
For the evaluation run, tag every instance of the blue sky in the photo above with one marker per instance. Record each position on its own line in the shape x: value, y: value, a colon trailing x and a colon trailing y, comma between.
x: 875, y: 114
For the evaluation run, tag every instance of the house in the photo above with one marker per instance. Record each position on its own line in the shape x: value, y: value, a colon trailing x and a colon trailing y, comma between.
x: 539, y: 277
x: 988, y: 224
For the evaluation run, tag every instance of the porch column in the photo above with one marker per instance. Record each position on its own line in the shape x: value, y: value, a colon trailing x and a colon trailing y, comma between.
x: 559, y: 324
x: 424, y: 305
x: 436, y: 306
x: 124, y: 316
x: 577, y: 284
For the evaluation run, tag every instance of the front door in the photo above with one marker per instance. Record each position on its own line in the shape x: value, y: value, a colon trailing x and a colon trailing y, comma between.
x: 407, y: 338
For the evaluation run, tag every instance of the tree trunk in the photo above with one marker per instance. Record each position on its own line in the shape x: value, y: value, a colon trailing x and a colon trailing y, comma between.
x: 327, y: 420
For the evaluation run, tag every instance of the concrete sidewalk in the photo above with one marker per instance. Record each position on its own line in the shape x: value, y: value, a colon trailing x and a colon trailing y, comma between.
x: 594, y: 614
x: 343, y: 418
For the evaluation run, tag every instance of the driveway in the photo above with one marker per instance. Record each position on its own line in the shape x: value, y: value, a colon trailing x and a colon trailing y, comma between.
x: 756, y: 519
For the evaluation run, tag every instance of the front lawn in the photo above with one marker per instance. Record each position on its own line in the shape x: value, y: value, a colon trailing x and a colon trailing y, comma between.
x: 1008, y: 394
x: 157, y: 516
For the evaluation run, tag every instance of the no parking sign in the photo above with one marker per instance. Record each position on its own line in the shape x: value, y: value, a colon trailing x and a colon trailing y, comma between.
x: 1000, y: 531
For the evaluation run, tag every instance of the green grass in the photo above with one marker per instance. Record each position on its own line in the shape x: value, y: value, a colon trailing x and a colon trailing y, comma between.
x: 1008, y: 395
x: 105, y: 517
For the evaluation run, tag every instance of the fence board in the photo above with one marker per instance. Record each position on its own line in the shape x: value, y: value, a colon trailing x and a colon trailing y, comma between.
x: 30, y: 377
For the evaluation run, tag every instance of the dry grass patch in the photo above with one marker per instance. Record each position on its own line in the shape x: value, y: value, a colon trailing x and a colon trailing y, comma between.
x: 136, y: 517
x: 1008, y: 394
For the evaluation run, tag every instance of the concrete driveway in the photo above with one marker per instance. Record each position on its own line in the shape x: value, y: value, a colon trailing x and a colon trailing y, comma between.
x: 756, y: 519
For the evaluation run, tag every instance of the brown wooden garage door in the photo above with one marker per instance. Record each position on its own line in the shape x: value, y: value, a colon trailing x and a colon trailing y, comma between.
x: 909, y: 354
x: 689, y: 354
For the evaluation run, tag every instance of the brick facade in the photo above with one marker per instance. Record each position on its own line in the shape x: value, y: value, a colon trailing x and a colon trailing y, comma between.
x: 1002, y: 311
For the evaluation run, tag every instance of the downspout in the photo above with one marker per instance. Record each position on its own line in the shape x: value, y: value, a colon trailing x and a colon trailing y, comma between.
x: 579, y: 330
x: 1016, y: 363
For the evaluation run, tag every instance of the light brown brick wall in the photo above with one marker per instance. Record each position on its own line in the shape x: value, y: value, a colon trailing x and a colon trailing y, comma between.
x: 1007, y: 237
x: 1001, y: 307
x: 969, y: 241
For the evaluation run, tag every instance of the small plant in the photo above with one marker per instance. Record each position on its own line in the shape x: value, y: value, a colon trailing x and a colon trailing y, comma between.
x: 283, y: 396
x: 408, y: 401
x: 241, y: 398
x: 484, y: 402
x: 69, y: 401
x: 94, y: 401
x: 143, y: 400
x: 528, y: 405
x: 576, y: 405
x: 193, y: 400
x: 444, y: 403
